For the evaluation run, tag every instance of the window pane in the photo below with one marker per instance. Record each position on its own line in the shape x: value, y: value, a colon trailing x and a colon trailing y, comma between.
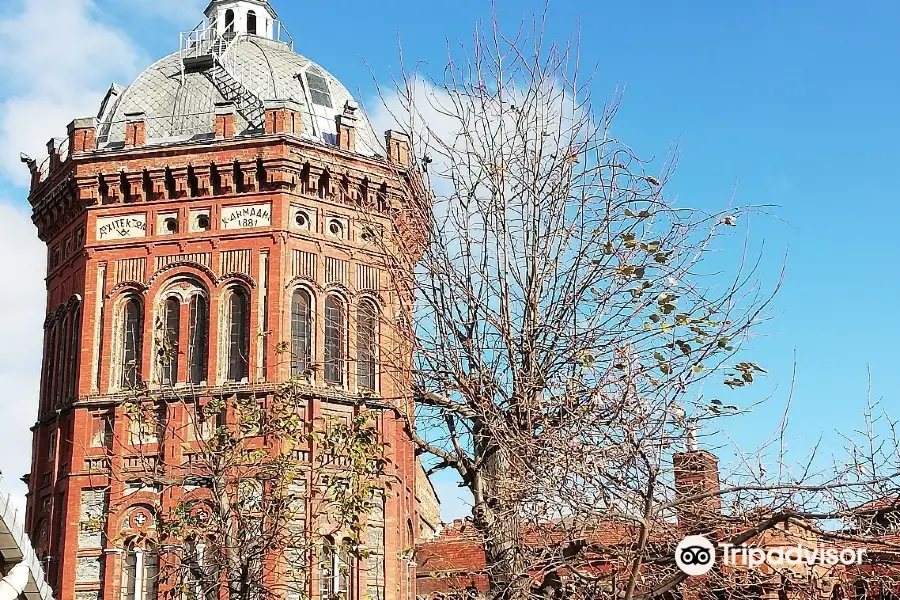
x: 343, y: 565
x: 128, y: 576
x: 50, y: 361
x: 151, y: 574
x: 238, y: 336
x: 326, y: 582
x: 60, y: 363
x: 74, y: 339
x: 334, y: 340
x: 132, y: 325
x: 301, y: 332
x: 318, y: 88
x: 251, y: 22
x: 169, y: 355
x: 198, y: 347
x: 366, y: 339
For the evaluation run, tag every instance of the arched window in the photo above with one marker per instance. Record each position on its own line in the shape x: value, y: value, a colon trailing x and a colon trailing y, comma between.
x: 132, y: 335
x: 198, y: 345
x: 168, y: 359
x: 229, y: 21
x: 140, y: 573
x: 334, y: 340
x: 50, y: 362
x: 61, y: 361
x: 45, y: 366
x: 301, y: 332
x: 366, y: 345
x: 238, y: 322
x: 74, y: 346
x: 251, y: 22
x: 336, y: 564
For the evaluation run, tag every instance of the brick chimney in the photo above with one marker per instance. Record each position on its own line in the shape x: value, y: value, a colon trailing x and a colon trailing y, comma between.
x: 82, y: 135
x: 225, y: 120
x: 346, y: 126
x: 283, y: 116
x: 696, y: 473
x: 398, y: 148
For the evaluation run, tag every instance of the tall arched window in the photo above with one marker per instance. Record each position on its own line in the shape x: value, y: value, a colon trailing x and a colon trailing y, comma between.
x: 132, y: 336
x: 45, y: 366
x: 301, y: 332
x: 198, y: 346
x: 366, y: 344
x: 334, y: 340
x: 62, y: 347
x: 335, y: 571
x: 168, y: 359
x: 229, y: 21
x: 51, y: 362
x: 251, y: 22
x: 238, y: 323
x: 74, y: 346
x: 140, y: 573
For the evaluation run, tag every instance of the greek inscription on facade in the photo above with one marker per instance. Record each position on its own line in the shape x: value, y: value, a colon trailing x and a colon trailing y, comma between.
x: 246, y: 217
x: 117, y: 228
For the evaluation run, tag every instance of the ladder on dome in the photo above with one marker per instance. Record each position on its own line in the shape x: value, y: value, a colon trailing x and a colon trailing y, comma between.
x: 205, y: 50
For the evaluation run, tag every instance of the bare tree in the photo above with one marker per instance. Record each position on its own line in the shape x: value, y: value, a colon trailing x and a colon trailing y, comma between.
x: 570, y: 330
x: 259, y: 495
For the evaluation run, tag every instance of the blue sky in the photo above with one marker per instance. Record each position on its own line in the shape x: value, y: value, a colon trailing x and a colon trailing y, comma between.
x: 786, y: 103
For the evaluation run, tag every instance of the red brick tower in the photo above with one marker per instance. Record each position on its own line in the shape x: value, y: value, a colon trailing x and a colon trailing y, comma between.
x: 235, y: 194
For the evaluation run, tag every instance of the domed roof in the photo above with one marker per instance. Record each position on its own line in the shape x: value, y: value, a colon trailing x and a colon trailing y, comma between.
x: 180, y: 104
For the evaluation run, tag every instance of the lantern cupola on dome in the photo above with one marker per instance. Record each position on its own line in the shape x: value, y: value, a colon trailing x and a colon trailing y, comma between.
x: 251, y: 17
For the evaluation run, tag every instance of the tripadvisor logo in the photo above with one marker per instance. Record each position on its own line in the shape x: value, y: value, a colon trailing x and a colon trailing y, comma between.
x: 696, y: 555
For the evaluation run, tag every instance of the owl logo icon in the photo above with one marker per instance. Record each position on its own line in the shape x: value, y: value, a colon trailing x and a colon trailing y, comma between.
x: 695, y: 555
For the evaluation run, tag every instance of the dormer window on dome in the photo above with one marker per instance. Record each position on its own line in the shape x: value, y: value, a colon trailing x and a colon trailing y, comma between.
x: 318, y: 87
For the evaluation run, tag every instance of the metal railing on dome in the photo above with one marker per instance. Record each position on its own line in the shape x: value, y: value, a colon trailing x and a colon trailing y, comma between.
x: 205, y: 39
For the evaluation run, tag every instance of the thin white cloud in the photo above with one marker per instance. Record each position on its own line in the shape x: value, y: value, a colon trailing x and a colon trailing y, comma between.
x: 58, y: 58
x: 21, y: 337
